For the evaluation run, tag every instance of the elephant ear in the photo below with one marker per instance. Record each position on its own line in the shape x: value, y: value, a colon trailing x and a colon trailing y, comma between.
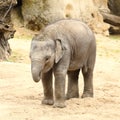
x: 59, y: 51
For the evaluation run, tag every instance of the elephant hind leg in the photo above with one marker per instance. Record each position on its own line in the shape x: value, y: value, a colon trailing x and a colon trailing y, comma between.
x: 88, y: 83
x: 73, y: 89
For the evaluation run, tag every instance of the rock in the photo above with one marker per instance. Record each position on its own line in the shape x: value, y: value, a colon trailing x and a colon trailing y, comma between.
x: 39, y: 13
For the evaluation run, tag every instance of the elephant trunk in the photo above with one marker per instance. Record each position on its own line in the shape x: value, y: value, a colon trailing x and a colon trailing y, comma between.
x: 36, y: 72
x: 36, y: 76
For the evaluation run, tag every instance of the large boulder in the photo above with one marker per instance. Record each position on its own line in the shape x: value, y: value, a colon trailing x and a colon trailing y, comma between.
x: 39, y: 13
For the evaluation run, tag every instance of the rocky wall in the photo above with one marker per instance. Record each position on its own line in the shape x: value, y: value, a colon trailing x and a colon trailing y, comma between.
x: 39, y: 13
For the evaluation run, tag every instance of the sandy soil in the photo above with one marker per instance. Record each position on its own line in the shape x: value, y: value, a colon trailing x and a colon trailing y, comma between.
x: 20, y: 97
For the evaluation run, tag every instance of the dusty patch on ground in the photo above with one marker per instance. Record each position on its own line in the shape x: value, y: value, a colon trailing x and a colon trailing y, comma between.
x: 20, y: 97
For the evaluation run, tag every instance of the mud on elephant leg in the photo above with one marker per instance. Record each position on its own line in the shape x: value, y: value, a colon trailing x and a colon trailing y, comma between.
x: 73, y: 90
x: 88, y: 83
x: 48, y: 89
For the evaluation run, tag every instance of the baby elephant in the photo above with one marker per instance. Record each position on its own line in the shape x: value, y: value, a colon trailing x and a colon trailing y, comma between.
x: 63, y: 48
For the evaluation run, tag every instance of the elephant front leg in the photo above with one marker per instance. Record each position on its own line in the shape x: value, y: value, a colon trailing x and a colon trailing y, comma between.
x: 88, y: 83
x: 59, y: 90
x: 48, y: 89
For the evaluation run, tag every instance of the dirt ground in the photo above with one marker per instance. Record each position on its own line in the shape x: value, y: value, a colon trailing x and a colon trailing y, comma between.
x: 20, y: 97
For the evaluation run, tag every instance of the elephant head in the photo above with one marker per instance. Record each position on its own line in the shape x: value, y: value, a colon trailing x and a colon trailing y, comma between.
x: 44, y: 54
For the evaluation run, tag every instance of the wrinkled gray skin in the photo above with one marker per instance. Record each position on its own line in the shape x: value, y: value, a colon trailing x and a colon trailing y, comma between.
x: 63, y: 48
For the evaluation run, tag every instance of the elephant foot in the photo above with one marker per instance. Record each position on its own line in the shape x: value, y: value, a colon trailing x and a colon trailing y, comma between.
x: 59, y: 105
x: 69, y: 96
x: 48, y: 101
x: 87, y: 94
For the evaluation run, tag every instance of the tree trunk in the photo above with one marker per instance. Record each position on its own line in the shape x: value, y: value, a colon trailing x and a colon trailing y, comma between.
x: 6, y: 32
x: 111, y: 19
x: 6, y: 27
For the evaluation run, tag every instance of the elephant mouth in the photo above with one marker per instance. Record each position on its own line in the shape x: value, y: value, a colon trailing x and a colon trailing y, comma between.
x: 47, y: 67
